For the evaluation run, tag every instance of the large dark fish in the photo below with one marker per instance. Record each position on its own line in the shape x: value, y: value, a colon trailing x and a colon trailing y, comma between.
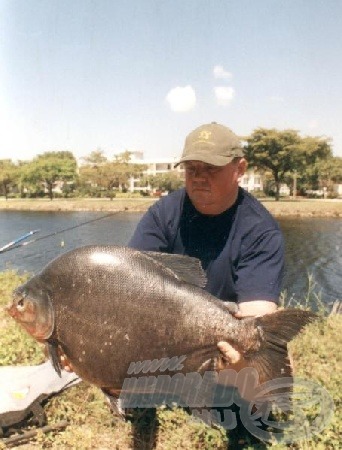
x: 109, y: 306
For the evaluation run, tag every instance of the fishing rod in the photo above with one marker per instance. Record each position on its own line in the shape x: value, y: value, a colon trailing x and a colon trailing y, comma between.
x: 14, y: 243
x: 17, y: 243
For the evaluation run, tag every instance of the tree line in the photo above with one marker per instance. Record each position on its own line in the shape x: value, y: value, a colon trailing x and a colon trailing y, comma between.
x: 95, y: 176
x: 283, y: 156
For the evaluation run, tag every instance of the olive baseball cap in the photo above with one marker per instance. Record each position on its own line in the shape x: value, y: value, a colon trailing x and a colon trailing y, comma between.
x: 213, y: 144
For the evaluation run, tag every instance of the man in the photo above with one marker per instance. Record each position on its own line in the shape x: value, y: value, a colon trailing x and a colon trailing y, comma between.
x: 238, y: 242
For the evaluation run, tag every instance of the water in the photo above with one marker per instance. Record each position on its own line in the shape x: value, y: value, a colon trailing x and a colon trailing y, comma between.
x: 115, y: 229
x: 313, y: 248
x: 313, y: 245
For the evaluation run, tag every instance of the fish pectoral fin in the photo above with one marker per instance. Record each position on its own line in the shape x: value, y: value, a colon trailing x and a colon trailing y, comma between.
x: 54, y: 358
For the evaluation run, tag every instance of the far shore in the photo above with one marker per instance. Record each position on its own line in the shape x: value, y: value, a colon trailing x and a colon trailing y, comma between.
x: 285, y: 207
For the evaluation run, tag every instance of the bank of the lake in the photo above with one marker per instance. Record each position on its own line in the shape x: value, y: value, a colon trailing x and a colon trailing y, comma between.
x: 138, y: 204
x: 285, y: 207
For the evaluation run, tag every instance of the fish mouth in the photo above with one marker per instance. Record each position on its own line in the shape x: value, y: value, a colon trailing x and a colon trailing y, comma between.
x: 11, y: 310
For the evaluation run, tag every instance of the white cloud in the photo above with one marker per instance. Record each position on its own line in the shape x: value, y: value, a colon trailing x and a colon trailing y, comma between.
x: 181, y: 99
x: 219, y: 72
x: 313, y: 124
x: 224, y: 95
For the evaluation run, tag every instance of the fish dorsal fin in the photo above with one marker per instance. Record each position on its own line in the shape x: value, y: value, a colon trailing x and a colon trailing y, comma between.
x: 184, y: 268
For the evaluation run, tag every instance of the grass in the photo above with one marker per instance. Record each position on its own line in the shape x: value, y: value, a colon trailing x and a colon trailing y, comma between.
x: 78, y: 204
x: 285, y: 207
x: 92, y: 426
x: 305, y: 207
x: 312, y: 300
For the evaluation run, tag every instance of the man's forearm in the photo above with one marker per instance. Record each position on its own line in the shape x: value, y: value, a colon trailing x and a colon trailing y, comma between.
x: 255, y: 308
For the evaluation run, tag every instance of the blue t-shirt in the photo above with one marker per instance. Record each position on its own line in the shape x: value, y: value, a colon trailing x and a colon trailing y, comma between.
x: 241, y: 250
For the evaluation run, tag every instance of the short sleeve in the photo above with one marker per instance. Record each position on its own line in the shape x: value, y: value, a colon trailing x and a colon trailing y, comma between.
x: 259, y: 270
x: 150, y: 234
x: 157, y: 229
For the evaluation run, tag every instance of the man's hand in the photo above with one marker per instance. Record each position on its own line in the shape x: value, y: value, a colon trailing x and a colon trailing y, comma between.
x: 230, y: 354
x: 63, y: 360
x: 65, y: 363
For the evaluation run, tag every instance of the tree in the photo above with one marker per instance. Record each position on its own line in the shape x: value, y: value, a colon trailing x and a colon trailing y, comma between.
x: 335, y: 169
x: 324, y: 173
x: 109, y: 174
x: 285, y: 154
x: 95, y: 158
x: 169, y: 181
x: 276, y: 151
x: 123, y: 157
x: 49, y: 168
x: 8, y: 176
x: 318, y: 163
x: 26, y: 183
x: 125, y: 170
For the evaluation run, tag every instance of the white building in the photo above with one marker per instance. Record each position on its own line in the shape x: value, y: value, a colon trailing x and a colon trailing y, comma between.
x: 337, y: 189
x: 155, y: 166
x: 251, y: 181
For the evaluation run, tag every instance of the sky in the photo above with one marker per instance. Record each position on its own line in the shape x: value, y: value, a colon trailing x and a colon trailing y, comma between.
x: 139, y: 75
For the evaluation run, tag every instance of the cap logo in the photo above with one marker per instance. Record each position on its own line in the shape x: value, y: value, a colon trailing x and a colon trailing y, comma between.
x: 205, y: 135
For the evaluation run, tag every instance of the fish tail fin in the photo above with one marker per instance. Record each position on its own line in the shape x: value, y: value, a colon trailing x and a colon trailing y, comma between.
x: 270, y: 356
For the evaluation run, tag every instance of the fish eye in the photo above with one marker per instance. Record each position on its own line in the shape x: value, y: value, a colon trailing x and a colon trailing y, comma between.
x: 21, y: 304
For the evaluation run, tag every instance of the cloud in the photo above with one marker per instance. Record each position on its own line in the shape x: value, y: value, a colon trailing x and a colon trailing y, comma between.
x: 219, y: 72
x: 224, y: 95
x: 181, y: 99
x: 313, y: 124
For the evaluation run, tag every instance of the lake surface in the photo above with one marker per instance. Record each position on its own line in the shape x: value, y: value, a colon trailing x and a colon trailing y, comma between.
x: 313, y: 245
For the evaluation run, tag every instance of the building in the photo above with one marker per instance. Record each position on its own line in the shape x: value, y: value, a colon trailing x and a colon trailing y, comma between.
x: 337, y: 190
x: 155, y: 166
x: 251, y: 181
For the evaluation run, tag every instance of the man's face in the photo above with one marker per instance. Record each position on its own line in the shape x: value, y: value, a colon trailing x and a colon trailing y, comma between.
x: 213, y: 189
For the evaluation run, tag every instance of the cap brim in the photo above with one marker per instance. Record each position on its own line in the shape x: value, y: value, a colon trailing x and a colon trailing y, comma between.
x: 214, y: 160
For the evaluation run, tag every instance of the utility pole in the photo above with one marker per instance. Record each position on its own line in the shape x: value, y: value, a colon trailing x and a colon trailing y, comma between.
x: 294, y: 191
